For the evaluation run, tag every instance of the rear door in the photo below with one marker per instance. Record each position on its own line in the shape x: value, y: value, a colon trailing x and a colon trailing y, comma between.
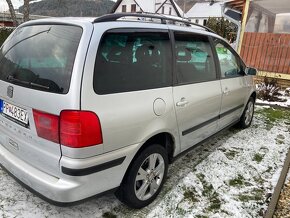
x: 36, y: 77
x: 128, y: 82
x: 197, y: 95
x: 233, y: 83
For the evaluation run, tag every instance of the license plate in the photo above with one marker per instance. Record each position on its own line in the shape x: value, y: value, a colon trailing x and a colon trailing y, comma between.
x: 14, y: 112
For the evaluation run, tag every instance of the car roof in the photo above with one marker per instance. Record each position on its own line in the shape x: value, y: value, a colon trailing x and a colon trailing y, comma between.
x: 120, y: 18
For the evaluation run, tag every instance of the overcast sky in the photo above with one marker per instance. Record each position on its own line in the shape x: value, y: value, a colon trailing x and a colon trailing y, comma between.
x: 4, y: 6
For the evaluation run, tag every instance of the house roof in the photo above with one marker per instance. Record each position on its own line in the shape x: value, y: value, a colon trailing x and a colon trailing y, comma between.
x: 148, y: 6
x: 116, y: 5
x: 179, y: 11
x: 236, y: 4
x: 206, y: 9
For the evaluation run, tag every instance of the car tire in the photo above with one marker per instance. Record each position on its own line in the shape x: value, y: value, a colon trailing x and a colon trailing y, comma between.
x: 144, y: 178
x: 247, y: 116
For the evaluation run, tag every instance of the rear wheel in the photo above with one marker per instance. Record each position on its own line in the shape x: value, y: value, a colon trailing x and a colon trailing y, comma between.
x: 145, y: 178
x: 247, y: 116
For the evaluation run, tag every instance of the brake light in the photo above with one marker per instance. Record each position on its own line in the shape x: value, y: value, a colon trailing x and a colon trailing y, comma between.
x: 80, y: 129
x: 47, y: 125
x: 74, y: 129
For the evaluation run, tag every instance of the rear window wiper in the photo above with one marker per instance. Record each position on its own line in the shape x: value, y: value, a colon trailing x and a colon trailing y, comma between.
x: 32, y: 84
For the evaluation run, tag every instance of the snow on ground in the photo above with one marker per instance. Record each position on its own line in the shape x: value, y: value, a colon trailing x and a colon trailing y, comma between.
x: 285, y: 99
x: 228, y: 176
x: 282, y: 104
x: 234, y: 180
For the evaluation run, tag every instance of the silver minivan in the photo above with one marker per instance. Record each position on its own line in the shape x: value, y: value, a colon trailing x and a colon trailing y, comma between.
x: 90, y: 105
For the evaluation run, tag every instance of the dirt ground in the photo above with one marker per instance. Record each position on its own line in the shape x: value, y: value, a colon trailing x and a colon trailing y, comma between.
x: 283, y: 206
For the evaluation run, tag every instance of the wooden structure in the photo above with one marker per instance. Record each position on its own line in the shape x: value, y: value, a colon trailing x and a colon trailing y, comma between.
x: 267, y: 51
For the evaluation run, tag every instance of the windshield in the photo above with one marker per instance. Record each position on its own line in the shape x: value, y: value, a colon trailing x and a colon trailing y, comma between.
x: 40, y: 57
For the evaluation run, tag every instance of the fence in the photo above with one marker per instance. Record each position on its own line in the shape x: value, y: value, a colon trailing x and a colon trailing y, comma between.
x: 267, y: 51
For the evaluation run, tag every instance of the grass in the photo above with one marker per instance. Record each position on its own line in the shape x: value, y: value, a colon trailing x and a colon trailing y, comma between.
x: 255, y: 195
x: 280, y: 139
x: 269, y: 170
x: 211, y: 194
x: 239, y: 181
x: 231, y: 154
x: 259, y: 180
x: 258, y: 158
x: 109, y: 215
x: 274, y: 115
x: 190, y: 195
x: 201, y: 216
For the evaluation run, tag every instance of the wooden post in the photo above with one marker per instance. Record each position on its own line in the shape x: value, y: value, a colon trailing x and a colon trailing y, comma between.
x: 245, y: 15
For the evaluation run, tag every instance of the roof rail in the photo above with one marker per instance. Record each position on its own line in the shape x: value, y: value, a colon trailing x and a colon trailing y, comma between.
x: 163, y: 19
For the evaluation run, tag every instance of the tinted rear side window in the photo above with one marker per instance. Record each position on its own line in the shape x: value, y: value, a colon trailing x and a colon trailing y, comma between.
x: 40, y: 57
x: 194, y: 58
x: 131, y: 61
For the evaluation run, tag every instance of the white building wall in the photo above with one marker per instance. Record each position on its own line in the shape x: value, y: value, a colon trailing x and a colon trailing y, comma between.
x: 128, y: 4
x: 167, y: 7
x: 150, y: 6
x: 198, y: 20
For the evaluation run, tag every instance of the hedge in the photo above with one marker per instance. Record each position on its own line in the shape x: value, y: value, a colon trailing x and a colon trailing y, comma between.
x: 4, y: 33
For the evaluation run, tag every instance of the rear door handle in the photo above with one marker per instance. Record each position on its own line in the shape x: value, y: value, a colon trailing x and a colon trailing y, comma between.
x: 182, y: 103
x: 226, y: 91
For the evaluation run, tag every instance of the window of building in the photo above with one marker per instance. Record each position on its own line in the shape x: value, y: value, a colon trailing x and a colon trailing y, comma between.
x: 124, y: 8
x: 131, y: 61
x: 196, y: 21
x: 163, y: 9
x: 194, y: 58
x: 133, y: 8
x: 170, y: 11
x: 204, y: 22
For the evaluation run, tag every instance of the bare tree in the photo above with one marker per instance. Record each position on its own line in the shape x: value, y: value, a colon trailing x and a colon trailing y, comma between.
x: 12, y: 12
x: 26, y: 11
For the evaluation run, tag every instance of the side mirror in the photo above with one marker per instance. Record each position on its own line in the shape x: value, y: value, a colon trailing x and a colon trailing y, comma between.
x: 251, y: 71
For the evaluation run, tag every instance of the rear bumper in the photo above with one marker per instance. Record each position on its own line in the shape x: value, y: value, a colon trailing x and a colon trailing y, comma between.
x: 75, y: 187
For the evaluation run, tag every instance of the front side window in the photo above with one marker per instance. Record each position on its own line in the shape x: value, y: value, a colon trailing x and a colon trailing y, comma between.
x: 131, y: 61
x: 229, y: 64
x: 194, y: 58
x: 40, y: 57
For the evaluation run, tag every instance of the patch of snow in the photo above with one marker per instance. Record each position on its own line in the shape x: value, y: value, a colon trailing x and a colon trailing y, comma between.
x: 285, y: 99
x: 252, y: 158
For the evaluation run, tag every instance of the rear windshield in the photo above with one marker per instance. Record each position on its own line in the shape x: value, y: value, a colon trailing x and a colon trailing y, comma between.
x: 40, y: 57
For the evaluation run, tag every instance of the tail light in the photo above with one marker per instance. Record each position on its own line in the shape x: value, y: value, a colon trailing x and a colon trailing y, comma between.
x: 80, y: 129
x: 74, y: 129
x: 47, y: 125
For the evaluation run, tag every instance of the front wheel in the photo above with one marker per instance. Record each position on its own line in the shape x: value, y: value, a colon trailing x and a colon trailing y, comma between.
x: 247, y: 116
x: 145, y: 177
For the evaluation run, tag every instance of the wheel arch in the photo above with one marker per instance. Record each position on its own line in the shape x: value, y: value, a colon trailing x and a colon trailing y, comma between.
x: 254, y: 95
x: 165, y: 139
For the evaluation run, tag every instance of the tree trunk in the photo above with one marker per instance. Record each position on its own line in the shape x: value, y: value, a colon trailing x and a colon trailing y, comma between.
x: 12, y: 12
x: 26, y: 11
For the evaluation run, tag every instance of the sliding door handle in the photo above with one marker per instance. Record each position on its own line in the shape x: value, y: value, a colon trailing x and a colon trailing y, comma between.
x: 182, y: 103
